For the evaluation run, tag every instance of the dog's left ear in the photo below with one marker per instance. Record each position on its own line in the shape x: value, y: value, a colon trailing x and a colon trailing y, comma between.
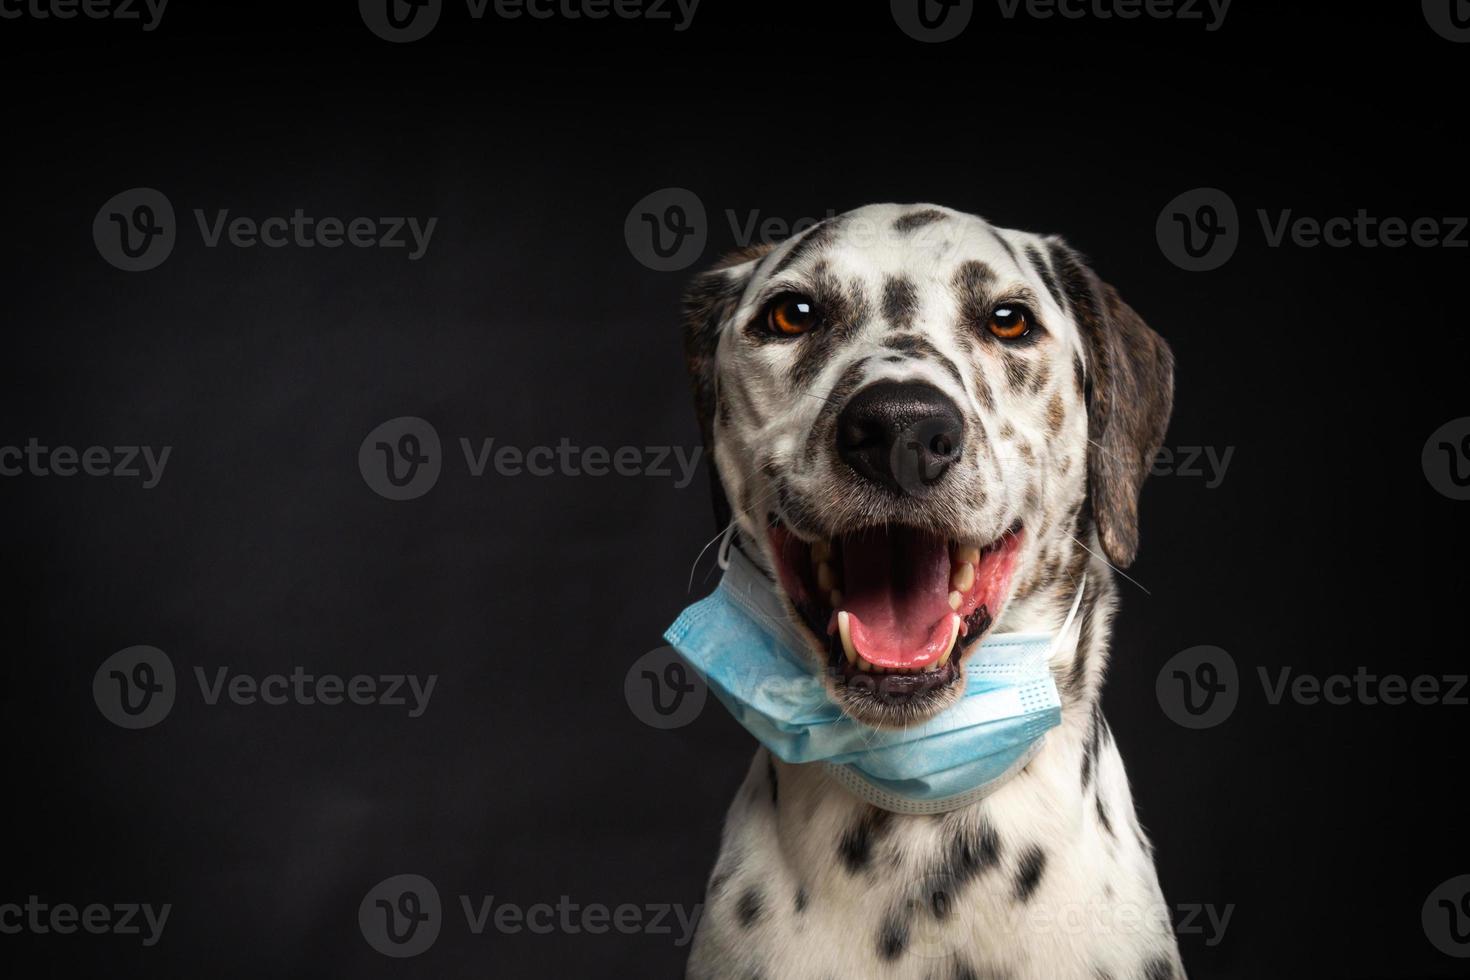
x: 709, y: 301
x: 1130, y: 393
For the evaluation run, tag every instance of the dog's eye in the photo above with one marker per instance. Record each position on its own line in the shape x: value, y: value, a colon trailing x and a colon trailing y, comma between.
x: 792, y: 314
x: 1010, y: 321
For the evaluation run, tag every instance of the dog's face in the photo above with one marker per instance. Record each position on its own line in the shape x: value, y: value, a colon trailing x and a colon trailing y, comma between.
x: 920, y: 421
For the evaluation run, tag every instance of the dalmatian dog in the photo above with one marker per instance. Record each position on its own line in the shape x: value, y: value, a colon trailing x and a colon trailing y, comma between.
x: 1039, y: 398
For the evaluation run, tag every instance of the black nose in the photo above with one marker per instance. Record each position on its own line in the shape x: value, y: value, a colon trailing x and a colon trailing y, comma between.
x: 902, y: 435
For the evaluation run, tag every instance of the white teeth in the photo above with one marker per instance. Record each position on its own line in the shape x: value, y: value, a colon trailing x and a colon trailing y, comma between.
x: 844, y: 629
x: 967, y: 553
x: 954, y: 632
x: 825, y: 580
x: 955, y: 600
x: 963, y: 577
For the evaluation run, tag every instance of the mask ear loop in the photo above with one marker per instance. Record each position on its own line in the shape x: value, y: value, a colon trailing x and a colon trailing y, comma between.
x: 1072, y: 615
x: 722, y: 557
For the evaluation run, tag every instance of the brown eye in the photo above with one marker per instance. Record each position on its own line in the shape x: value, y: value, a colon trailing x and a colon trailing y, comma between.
x: 1010, y: 321
x: 792, y: 314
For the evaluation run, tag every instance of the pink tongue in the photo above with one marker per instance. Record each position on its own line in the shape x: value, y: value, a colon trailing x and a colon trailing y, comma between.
x: 896, y: 587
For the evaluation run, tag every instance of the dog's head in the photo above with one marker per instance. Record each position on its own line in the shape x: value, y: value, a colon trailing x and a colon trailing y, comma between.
x: 922, y: 424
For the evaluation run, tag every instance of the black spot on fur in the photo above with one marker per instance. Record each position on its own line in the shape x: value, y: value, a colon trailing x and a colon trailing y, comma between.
x: 920, y: 347
x: 801, y: 899
x: 836, y: 399
x: 844, y: 311
x: 1041, y: 379
x: 983, y: 392
x: 771, y: 776
x: 1018, y: 370
x: 1158, y: 969
x: 1076, y: 683
x: 971, y: 285
x: 1090, y: 744
x: 1005, y: 245
x: 817, y: 238
x: 1043, y: 272
x: 909, y: 343
x: 893, y: 937
x: 900, y: 302
x: 1102, y: 814
x: 1056, y: 414
x: 750, y: 907
x: 971, y: 853
x: 1029, y: 872
x: 917, y: 219
x: 856, y: 846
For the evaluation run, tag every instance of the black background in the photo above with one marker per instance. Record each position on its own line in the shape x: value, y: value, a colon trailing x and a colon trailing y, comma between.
x: 1324, y: 548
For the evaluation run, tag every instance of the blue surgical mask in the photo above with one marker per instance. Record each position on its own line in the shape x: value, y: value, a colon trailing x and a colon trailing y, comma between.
x: 741, y: 641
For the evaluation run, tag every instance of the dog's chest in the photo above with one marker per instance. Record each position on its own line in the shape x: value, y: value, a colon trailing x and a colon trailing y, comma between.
x: 1047, y: 878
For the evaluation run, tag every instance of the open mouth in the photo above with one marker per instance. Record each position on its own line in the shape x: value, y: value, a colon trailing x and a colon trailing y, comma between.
x: 896, y: 605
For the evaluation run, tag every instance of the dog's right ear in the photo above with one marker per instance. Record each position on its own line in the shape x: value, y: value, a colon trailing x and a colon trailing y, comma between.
x: 709, y: 302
